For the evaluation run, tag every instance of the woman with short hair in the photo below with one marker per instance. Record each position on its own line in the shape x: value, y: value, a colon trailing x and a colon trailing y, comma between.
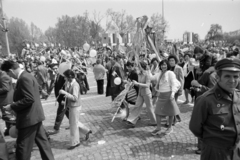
x: 144, y: 96
x: 73, y: 102
x: 167, y: 85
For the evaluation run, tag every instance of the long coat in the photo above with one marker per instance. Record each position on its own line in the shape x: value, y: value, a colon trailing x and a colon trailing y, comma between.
x: 112, y: 89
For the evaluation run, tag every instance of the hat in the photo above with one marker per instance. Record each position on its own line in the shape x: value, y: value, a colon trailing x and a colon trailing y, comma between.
x: 228, y: 64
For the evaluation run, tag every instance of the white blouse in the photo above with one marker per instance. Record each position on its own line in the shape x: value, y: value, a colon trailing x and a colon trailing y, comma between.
x: 167, y: 83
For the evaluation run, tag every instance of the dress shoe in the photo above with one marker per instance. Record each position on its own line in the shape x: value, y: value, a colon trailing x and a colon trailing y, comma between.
x: 130, y: 124
x: 198, y: 151
x: 67, y: 128
x: 87, y: 135
x: 152, y: 124
x: 53, y: 132
x: 72, y: 147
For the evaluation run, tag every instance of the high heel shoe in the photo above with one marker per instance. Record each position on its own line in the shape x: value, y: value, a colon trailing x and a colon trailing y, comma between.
x: 87, y: 135
x: 156, y: 132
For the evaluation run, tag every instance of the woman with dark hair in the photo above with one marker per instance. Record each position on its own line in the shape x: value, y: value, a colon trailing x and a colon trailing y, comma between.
x: 73, y: 102
x: 188, y: 71
x: 144, y: 96
x: 167, y: 85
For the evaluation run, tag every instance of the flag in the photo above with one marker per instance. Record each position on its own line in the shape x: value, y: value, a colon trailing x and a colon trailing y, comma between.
x: 122, y: 111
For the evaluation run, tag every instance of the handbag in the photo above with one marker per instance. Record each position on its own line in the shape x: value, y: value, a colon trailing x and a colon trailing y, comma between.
x: 132, y: 95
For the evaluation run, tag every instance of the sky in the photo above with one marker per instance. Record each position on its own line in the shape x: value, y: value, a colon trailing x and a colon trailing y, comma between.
x: 182, y: 15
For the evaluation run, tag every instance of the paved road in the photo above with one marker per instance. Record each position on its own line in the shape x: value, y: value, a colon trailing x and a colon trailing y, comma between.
x: 114, y: 140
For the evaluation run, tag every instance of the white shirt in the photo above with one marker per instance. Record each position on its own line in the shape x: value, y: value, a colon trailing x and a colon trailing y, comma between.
x: 20, y: 74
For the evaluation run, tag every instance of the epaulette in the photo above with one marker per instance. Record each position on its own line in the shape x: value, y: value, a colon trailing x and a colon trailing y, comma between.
x: 209, y: 92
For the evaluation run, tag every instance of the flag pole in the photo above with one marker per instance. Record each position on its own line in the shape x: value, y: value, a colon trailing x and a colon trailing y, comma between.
x: 4, y: 27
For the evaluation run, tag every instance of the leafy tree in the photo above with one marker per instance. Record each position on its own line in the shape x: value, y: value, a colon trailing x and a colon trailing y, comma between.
x: 36, y: 33
x: 215, y: 32
x: 125, y: 23
x: 50, y: 34
x: 18, y: 33
x: 159, y: 25
x: 96, y: 28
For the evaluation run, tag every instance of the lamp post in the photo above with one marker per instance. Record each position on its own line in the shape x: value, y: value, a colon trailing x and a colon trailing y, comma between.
x: 163, y: 20
x: 4, y: 27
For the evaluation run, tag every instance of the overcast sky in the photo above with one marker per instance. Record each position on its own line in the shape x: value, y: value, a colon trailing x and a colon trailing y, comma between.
x: 182, y: 15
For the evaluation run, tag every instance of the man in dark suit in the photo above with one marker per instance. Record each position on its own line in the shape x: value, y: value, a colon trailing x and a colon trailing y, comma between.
x: 6, y: 97
x: 29, y: 111
x: 59, y: 84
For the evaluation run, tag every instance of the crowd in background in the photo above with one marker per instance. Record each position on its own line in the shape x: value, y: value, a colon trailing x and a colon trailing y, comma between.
x: 158, y: 82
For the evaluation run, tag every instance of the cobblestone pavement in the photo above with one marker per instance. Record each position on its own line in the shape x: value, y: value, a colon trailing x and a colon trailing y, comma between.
x: 115, y: 140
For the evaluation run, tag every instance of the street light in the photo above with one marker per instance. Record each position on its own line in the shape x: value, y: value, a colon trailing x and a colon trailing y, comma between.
x: 4, y: 27
x: 163, y: 20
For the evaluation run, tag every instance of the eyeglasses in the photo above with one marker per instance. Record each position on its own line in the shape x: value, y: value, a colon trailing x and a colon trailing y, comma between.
x: 55, y: 68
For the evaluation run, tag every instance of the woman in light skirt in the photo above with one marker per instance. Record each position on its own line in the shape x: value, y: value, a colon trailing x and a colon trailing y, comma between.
x: 167, y: 85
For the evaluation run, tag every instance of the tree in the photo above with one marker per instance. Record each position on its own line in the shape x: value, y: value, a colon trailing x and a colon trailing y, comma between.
x: 71, y: 31
x: 120, y: 20
x: 95, y: 28
x: 215, y: 32
x: 18, y: 33
x: 159, y: 25
x: 35, y: 32
x: 50, y: 33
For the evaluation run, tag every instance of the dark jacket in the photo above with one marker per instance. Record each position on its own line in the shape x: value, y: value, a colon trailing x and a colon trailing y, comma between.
x: 112, y: 89
x: 59, y: 84
x: 6, y: 89
x: 207, y: 61
x: 27, y: 103
x: 216, y: 119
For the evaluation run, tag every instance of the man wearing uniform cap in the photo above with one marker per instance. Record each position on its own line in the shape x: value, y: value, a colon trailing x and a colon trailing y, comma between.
x: 216, y: 114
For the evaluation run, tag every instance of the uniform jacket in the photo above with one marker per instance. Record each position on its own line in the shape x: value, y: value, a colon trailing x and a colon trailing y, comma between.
x: 216, y: 119
x: 6, y: 89
x: 180, y: 77
x: 27, y: 103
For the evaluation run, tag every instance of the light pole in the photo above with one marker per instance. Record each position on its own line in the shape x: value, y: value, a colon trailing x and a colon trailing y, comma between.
x: 163, y: 23
x: 4, y: 27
